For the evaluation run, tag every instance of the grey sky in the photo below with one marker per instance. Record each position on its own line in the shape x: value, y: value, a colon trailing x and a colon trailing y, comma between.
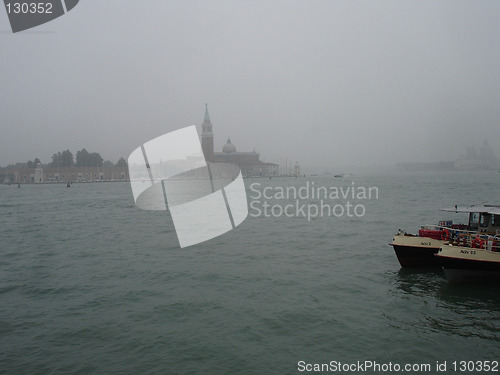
x: 325, y: 82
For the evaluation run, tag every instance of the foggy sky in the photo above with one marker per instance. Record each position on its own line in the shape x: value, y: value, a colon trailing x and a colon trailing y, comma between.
x: 327, y: 83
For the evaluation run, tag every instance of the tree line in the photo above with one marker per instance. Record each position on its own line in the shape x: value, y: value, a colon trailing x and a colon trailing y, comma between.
x: 65, y: 158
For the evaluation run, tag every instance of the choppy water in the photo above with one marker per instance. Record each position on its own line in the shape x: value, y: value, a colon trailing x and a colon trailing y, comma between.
x: 89, y: 284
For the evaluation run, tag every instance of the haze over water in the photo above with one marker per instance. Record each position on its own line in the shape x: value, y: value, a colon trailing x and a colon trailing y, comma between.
x: 331, y: 84
x: 91, y: 284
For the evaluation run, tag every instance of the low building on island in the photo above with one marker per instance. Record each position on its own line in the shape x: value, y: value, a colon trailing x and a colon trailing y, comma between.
x: 40, y: 175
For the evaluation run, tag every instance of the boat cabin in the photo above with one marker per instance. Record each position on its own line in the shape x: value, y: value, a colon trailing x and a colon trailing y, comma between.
x: 483, y: 219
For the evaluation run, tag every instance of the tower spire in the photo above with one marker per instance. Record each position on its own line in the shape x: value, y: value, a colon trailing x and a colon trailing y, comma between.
x: 207, y: 116
x: 207, y: 137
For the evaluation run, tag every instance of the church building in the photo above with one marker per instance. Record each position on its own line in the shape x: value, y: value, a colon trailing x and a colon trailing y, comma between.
x: 249, y: 162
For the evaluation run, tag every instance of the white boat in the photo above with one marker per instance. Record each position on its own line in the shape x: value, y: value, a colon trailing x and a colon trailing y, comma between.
x: 419, y: 250
x: 464, y: 263
x: 474, y: 256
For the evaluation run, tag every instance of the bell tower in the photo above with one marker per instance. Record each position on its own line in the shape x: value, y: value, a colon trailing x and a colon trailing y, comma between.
x: 207, y: 137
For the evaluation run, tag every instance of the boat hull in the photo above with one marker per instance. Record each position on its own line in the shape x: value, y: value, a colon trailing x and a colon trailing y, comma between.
x: 415, y: 251
x: 469, y: 264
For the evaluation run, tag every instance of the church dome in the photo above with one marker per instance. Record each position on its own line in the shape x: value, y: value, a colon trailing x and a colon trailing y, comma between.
x: 228, y: 147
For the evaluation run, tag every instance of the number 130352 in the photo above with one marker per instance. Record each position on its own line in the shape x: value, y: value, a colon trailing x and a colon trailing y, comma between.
x: 29, y: 8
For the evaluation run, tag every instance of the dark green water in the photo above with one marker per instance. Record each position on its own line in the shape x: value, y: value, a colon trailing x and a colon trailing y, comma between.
x: 90, y: 284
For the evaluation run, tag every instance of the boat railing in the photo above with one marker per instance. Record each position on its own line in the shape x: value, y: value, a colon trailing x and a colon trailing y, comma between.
x: 477, y: 241
x: 448, y: 231
x: 458, y: 236
x: 454, y: 227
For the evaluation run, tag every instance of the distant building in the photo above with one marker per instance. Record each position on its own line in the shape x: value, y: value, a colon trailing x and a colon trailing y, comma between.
x: 41, y: 175
x: 249, y: 162
x: 484, y: 159
x: 38, y: 174
x: 296, y: 169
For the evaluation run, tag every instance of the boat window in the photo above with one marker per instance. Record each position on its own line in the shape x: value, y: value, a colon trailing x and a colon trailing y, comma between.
x: 495, y: 220
x: 474, y: 220
x: 485, y: 219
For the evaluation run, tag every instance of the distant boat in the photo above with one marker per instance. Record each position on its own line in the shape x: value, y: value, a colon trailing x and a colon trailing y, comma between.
x: 340, y: 175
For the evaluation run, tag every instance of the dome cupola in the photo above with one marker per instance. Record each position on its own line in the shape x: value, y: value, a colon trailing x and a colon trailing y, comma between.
x: 228, y: 147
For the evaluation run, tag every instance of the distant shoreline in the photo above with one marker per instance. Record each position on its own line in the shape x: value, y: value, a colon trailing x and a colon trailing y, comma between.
x: 102, y: 181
